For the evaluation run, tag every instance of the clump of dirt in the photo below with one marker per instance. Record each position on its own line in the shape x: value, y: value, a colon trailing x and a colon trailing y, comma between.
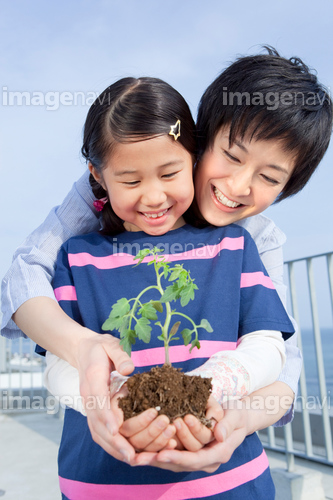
x: 170, y: 391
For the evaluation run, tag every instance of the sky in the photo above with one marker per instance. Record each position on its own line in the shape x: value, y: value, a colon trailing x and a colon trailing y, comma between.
x: 77, y: 48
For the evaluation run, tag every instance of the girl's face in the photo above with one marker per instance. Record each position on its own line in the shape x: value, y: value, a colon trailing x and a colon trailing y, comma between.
x: 232, y: 183
x: 149, y: 183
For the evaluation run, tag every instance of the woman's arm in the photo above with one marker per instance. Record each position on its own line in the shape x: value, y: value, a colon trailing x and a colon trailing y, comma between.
x: 269, y: 240
x: 32, y: 269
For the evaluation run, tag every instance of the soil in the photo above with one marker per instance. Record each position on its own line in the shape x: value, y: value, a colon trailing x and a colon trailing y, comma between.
x: 170, y: 391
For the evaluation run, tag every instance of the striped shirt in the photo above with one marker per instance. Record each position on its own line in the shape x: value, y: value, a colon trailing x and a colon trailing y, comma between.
x: 234, y: 294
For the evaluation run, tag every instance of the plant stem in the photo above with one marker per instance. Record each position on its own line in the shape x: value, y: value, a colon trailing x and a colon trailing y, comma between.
x: 135, y: 305
x: 165, y: 327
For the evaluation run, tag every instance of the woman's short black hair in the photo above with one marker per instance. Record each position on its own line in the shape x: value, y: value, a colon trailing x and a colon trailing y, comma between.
x: 269, y: 97
x: 132, y: 110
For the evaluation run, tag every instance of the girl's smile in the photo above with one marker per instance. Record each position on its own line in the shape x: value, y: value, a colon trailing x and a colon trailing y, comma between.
x: 241, y: 180
x: 149, y: 184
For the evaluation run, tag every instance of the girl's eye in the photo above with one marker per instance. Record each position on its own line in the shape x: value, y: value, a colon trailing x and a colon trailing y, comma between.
x: 231, y: 157
x: 270, y: 180
x: 131, y: 183
x: 169, y: 176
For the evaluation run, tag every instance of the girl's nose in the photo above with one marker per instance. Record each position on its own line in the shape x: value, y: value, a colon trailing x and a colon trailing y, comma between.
x: 153, y: 197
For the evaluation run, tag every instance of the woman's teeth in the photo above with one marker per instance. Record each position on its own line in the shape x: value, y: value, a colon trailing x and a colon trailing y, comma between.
x: 156, y: 215
x: 224, y: 200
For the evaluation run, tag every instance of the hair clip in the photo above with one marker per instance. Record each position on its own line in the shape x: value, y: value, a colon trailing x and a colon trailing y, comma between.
x: 99, y: 204
x: 175, y: 130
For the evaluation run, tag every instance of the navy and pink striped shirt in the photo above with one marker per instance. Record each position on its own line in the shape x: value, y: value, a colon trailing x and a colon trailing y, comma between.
x: 237, y: 297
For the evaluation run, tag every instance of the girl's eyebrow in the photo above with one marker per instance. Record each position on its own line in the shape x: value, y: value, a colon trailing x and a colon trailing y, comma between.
x: 124, y: 172
x: 275, y: 167
x: 168, y: 164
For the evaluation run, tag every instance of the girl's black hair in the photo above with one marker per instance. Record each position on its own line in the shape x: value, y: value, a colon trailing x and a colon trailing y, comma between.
x: 270, y: 97
x: 131, y: 110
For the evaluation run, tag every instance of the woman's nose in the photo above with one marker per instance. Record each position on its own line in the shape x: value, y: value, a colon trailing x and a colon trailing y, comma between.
x: 240, y: 184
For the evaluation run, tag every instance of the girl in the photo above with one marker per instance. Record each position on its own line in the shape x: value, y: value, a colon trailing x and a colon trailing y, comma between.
x: 139, y: 140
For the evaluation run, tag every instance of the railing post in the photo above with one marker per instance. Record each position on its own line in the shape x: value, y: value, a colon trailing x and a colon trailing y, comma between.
x: 3, y: 362
x: 302, y: 380
x: 320, y: 362
x: 330, y: 275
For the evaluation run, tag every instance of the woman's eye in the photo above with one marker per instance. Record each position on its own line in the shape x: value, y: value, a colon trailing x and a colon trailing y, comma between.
x: 270, y: 180
x: 230, y: 156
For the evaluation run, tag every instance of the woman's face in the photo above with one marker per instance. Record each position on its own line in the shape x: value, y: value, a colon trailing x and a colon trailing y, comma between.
x: 232, y: 183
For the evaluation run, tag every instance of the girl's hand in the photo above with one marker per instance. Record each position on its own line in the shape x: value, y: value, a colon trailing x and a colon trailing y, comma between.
x: 147, y: 431
x: 193, y: 435
x: 231, y: 431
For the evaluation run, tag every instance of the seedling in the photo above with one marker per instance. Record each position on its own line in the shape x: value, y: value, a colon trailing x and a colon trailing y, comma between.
x: 132, y: 317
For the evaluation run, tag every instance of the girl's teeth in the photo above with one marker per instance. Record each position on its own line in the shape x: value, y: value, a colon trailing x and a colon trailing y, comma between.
x: 154, y: 216
x: 224, y: 200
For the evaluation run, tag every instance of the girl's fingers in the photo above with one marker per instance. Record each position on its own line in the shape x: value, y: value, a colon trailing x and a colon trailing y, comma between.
x: 154, y: 437
x: 192, y: 434
x: 139, y: 424
x: 201, y: 432
x: 164, y: 440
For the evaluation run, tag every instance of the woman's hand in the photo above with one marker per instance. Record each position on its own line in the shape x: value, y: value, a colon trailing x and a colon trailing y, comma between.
x: 241, y: 418
x: 97, y: 356
x: 231, y: 431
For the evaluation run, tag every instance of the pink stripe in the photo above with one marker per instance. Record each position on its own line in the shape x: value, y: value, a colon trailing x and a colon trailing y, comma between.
x: 65, y: 293
x: 198, y: 488
x: 252, y: 279
x: 124, y: 259
x: 179, y: 353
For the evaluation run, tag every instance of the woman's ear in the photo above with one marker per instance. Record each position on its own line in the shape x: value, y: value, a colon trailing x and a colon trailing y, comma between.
x: 96, y: 175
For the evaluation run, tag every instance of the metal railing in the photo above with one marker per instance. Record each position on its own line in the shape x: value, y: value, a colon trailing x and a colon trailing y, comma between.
x: 21, y: 377
x: 310, y: 434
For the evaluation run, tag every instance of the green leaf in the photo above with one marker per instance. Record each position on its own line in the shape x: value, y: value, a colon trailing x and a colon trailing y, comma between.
x: 157, y: 305
x: 143, y: 330
x: 142, y: 254
x: 187, y: 294
x: 115, y: 323
x: 127, y: 341
x: 187, y: 335
x: 176, y: 272
x: 166, y: 270
x: 195, y: 343
x: 171, y: 293
x: 206, y: 325
x: 148, y: 311
x: 120, y: 308
x: 182, y: 280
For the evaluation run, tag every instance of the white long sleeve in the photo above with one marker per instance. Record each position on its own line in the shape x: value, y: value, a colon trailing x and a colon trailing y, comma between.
x: 256, y: 362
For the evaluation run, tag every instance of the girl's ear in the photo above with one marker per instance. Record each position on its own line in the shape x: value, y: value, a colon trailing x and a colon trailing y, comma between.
x: 96, y: 175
